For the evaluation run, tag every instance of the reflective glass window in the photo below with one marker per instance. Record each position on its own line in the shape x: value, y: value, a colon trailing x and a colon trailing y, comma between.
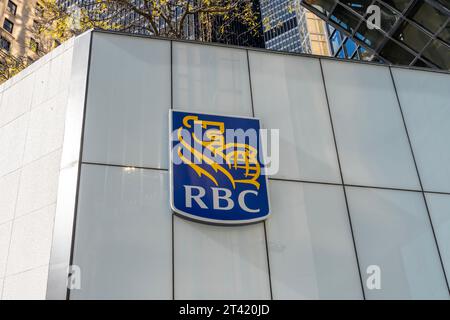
x: 350, y: 47
x: 438, y: 53
x: 12, y: 7
x: 446, y: 3
x: 371, y: 37
x: 420, y: 63
x: 428, y: 16
x: 400, y: 5
x: 345, y: 18
x: 445, y: 34
x: 388, y: 18
x: 360, y: 6
x: 336, y: 41
x: 413, y: 37
x: 396, y: 54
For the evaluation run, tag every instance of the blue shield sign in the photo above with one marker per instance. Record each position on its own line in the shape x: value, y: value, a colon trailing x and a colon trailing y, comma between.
x: 217, y: 173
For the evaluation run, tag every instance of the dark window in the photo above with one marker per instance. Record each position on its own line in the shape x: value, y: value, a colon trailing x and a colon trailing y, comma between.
x: 388, y: 18
x: 364, y: 54
x: 438, y: 53
x: 330, y: 28
x: 323, y: 6
x: 34, y: 45
x: 343, y: 17
x: 396, y: 54
x: 12, y: 7
x: 420, y: 63
x: 400, y: 5
x: 413, y: 37
x: 5, y: 44
x: 377, y: 59
x: 445, y: 33
x: 359, y: 6
x: 428, y: 16
x: 445, y: 3
x: 371, y: 37
x: 8, y: 26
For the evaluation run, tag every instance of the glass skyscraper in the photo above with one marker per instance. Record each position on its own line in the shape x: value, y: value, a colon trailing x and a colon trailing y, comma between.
x: 411, y: 32
x: 285, y: 27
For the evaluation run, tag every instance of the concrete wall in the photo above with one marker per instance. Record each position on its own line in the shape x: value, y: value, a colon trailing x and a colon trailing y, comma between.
x: 32, y: 122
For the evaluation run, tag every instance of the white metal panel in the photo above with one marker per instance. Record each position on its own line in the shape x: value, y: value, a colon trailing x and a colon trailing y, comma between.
x: 392, y: 231
x: 128, y: 101
x: 372, y: 142
x: 289, y: 95
x: 211, y: 79
x: 425, y: 100
x: 310, y: 243
x: 217, y: 262
x: 123, y: 242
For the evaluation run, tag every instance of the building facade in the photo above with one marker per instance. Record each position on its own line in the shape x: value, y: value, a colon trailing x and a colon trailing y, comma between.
x: 415, y: 32
x: 234, y: 33
x: 84, y: 181
x: 289, y: 27
x: 344, y: 47
x: 282, y: 31
x: 17, y: 22
x: 317, y: 34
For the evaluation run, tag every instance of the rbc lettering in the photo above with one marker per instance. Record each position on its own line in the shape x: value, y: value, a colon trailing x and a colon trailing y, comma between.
x: 218, y: 195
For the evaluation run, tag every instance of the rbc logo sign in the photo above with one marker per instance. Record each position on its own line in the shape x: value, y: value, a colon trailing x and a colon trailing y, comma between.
x: 216, y: 173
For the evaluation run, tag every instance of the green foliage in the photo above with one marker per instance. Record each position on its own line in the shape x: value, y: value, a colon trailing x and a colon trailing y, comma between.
x: 166, y: 18
x: 10, y: 66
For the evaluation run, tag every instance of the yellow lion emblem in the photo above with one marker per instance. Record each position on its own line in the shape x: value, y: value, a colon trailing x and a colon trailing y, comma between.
x: 239, y: 159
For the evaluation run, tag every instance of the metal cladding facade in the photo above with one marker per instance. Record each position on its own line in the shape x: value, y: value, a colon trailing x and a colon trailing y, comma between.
x: 411, y: 32
x: 363, y: 185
